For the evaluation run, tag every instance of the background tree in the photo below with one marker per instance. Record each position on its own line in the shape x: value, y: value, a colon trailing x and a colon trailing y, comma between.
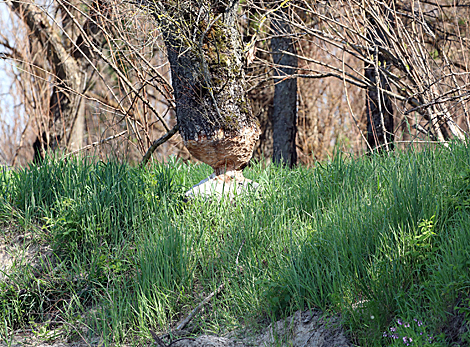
x: 428, y: 57
x: 379, y: 108
x: 63, y: 123
x: 285, y: 91
x: 108, y: 83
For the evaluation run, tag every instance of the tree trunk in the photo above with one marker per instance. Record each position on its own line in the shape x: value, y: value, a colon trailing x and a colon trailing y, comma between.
x: 65, y: 119
x: 207, y: 60
x: 379, y: 110
x: 379, y: 107
x: 285, y: 94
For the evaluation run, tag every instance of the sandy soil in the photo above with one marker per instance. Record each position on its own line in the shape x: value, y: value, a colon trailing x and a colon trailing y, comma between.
x: 303, y: 329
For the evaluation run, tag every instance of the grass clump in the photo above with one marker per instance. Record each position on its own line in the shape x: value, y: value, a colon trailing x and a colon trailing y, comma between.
x: 376, y: 240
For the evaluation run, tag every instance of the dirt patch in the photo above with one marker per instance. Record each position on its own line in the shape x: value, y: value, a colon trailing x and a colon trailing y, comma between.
x: 209, y: 341
x: 18, y: 249
x: 30, y: 340
x: 303, y: 329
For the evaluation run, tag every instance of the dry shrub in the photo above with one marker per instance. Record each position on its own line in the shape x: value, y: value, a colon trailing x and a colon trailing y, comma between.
x: 126, y: 92
x: 128, y: 88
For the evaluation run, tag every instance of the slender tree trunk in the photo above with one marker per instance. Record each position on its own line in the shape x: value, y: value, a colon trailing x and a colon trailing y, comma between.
x: 285, y: 94
x: 207, y: 60
x: 65, y: 119
x: 379, y: 110
x: 379, y: 107
x: 77, y: 131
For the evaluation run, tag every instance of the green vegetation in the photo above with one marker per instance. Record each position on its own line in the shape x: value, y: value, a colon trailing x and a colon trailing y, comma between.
x: 382, y: 240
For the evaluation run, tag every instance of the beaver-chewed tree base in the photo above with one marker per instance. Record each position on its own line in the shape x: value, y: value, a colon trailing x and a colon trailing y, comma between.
x: 207, y: 61
x: 227, y: 155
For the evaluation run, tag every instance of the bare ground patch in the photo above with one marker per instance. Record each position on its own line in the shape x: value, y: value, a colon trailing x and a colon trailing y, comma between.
x: 302, y: 329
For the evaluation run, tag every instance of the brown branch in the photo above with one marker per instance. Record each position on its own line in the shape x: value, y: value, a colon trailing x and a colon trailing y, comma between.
x: 157, y: 143
x: 321, y: 75
x: 198, y: 308
x: 157, y: 339
x: 94, y: 144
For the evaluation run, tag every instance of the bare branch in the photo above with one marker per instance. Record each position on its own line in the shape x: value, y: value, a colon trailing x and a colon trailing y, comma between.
x: 157, y: 143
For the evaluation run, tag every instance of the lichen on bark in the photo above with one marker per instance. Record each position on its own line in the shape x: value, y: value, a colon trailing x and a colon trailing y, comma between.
x: 207, y: 59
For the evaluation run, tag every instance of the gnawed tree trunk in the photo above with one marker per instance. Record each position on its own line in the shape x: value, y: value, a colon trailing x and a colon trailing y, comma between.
x: 285, y: 93
x: 207, y: 59
x: 379, y: 107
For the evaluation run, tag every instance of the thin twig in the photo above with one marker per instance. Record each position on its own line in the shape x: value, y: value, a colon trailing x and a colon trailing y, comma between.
x: 208, y: 298
x: 157, y: 339
x: 157, y: 143
x: 94, y: 144
x: 198, y: 308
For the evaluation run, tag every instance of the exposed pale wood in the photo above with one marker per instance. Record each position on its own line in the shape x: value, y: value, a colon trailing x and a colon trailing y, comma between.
x: 224, y: 152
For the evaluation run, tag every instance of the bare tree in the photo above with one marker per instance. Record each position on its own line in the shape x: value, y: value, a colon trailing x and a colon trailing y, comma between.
x: 321, y: 108
x: 89, y: 77
x: 410, y: 58
x: 379, y: 108
x: 64, y: 124
x: 418, y: 58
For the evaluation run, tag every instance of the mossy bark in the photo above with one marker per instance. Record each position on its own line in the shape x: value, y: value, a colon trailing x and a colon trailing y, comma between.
x: 207, y: 59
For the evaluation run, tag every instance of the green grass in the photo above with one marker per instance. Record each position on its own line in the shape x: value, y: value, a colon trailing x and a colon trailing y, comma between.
x: 374, y: 239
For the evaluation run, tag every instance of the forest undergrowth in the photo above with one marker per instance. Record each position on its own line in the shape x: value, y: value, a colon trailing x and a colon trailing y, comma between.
x: 382, y: 241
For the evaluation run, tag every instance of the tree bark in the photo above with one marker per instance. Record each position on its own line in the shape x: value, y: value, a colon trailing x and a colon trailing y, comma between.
x: 379, y: 107
x: 65, y: 119
x: 285, y: 94
x: 379, y: 110
x: 207, y: 60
